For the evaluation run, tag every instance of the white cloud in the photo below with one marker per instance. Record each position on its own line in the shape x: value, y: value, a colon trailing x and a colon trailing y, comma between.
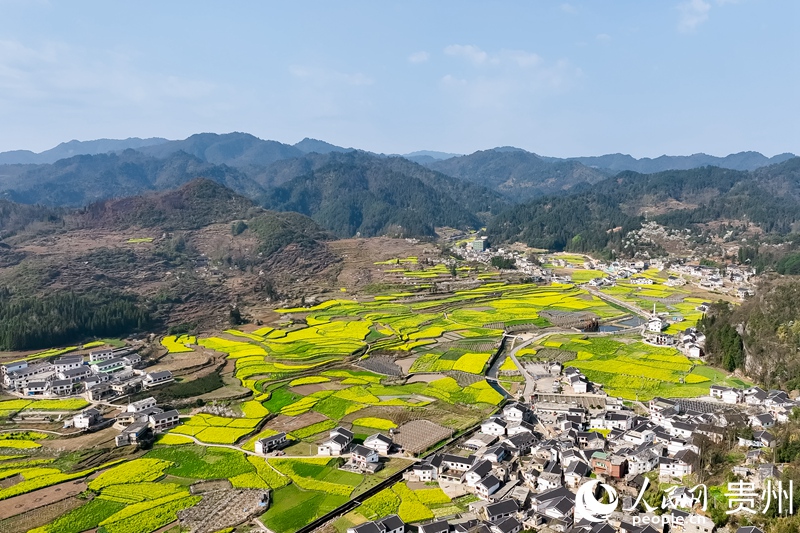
x: 693, y: 13
x: 521, y: 58
x: 418, y: 57
x: 568, y: 8
x: 467, y: 51
x: 478, y: 57
x: 603, y: 37
x: 324, y: 76
x: 60, y: 74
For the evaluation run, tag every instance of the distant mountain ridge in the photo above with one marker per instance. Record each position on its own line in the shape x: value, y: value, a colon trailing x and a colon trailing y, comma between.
x: 518, y: 174
x: 646, y: 165
x: 84, y: 179
x: 243, y: 149
x: 73, y: 148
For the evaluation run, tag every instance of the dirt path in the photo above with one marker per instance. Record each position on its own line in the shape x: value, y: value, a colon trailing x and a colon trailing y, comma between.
x: 39, y: 498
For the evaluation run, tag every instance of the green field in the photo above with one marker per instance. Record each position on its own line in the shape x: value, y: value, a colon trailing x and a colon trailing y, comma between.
x: 633, y: 370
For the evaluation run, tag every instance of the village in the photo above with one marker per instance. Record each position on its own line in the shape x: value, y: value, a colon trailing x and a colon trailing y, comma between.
x: 527, y: 462
x: 524, y: 466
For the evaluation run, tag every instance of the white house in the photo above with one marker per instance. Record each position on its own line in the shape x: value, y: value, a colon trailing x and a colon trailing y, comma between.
x: 494, y: 426
x: 378, y: 442
x: 267, y: 444
x: 508, y: 525
x: 75, y: 374
x: 487, y: 486
x: 87, y: 418
x: 337, y: 443
x: 731, y: 396
x: 141, y: 405
x: 515, y: 413
x: 363, y: 457
x: 34, y: 388
x: 162, y: 421
x: 479, y: 471
x: 764, y: 420
x: 67, y: 362
x: 682, y: 464
x: 154, y: 379
x: 390, y: 524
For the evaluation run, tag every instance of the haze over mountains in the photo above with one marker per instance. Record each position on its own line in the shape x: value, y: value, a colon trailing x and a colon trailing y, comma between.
x: 353, y: 192
x: 242, y: 148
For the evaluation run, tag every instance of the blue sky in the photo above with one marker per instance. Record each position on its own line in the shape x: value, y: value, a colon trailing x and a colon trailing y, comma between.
x: 557, y: 78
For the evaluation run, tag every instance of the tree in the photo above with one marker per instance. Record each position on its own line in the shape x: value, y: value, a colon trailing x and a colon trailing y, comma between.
x: 238, y: 227
x: 503, y: 263
x: 236, y: 317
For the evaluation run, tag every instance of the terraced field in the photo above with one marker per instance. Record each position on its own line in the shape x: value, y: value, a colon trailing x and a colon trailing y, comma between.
x: 630, y: 369
x: 305, y: 381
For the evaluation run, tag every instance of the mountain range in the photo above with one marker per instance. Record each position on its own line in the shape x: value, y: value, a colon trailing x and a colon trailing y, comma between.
x: 354, y: 192
x: 237, y: 149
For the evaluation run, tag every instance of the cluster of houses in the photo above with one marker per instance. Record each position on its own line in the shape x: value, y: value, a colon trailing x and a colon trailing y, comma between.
x: 527, y: 462
x: 137, y: 423
x: 711, y: 278
x: 363, y: 458
x: 106, y: 374
x: 141, y: 419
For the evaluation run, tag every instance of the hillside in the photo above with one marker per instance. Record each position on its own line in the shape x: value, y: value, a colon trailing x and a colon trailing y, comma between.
x: 761, y: 336
x: 308, y: 146
x: 194, y: 205
x: 646, y: 165
x: 232, y: 149
x: 73, y: 148
x: 84, y: 179
x: 165, y: 258
x: 518, y: 174
x: 597, y: 219
x: 356, y: 193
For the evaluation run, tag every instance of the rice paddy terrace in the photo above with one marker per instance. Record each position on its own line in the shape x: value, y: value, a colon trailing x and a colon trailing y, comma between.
x: 410, y: 361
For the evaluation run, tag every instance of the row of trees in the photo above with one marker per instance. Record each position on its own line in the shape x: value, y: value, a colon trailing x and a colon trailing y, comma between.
x: 723, y: 343
x: 64, y: 318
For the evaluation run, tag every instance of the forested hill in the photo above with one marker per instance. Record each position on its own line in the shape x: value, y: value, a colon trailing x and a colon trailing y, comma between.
x: 761, y: 336
x: 193, y: 205
x: 84, y: 179
x: 518, y: 174
x: 597, y: 218
x: 619, y: 162
x: 355, y: 192
x: 232, y: 149
x: 164, y: 258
